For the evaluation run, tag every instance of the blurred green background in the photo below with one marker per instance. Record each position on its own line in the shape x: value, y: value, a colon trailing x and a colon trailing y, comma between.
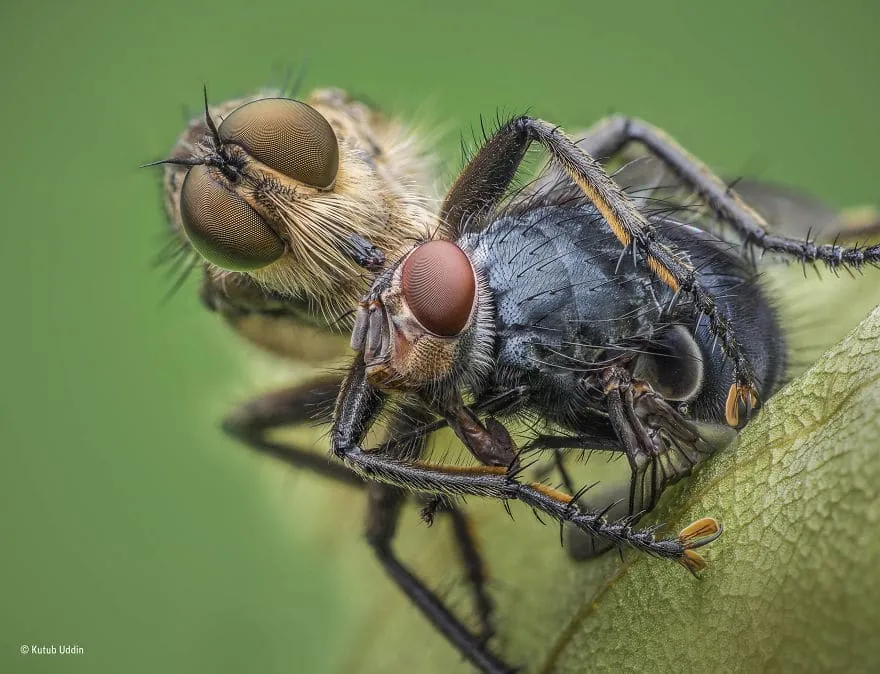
x: 130, y: 526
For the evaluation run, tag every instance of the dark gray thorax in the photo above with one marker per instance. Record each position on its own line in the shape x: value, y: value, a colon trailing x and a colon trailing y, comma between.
x: 568, y: 299
x: 560, y: 301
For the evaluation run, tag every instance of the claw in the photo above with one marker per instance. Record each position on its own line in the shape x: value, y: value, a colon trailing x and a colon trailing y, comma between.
x: 695, y: 535
x: 692, y: 561
x: 700, y: 533
x: 736, y: 395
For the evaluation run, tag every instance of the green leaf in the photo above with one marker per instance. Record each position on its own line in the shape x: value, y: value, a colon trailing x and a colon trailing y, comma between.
x: 793, y: 583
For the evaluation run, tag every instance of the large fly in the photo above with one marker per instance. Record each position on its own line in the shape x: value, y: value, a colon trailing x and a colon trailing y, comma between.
x: 571, y: 308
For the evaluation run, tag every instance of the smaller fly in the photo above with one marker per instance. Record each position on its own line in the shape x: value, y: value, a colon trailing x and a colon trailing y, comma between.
x: 571, y: 309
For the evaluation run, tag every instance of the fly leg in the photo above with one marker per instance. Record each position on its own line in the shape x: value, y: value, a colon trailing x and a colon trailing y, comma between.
x: 612, y: 500
x: 406, y: 441
x: 382, y: 515
x: 252, y: 422
x: 498, y: 403
x: 358, y: 406
x: 490, y: 443
x: 476, y: 437
x: 472, y: 561
x: 611, y: 134
x: 662, y: 446
x: 470, y: 556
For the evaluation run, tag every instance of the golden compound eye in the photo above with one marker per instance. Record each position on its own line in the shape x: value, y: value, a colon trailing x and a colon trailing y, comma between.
x: 439, y: 287
x: 223, y: 227
x: 286, y: 135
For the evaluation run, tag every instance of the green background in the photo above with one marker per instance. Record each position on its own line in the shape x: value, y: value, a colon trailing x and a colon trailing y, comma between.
x: 130, y: 526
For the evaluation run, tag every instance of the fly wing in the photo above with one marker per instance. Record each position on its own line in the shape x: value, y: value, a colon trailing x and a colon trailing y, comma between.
x: 661, y: 194
x: 795, y: 214
x: 790, y: 212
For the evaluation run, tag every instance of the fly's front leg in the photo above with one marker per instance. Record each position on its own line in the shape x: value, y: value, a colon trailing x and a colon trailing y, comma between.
x: 357, y: 407
x: 610, y: 135
x: 252, y: 422
x: 578, y: 544
x: 406, y: 440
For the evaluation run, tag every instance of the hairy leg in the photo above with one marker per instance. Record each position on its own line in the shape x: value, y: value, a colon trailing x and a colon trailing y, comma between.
x: 252, y: 422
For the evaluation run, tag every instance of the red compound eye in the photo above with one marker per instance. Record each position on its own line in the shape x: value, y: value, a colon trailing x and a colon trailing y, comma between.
x: 439, y: 287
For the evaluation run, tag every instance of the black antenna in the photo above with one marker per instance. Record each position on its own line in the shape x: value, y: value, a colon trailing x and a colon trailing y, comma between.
x: 177, y: 162
x: 211, y: 126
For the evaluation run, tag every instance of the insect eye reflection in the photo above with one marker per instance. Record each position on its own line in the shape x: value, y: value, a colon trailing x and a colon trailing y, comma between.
x: 439, y: 287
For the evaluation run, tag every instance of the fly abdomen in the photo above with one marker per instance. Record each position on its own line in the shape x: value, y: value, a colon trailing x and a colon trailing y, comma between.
x: 736, y: 284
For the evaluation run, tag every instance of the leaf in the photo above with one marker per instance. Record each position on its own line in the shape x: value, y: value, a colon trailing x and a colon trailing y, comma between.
x: 793, y: 584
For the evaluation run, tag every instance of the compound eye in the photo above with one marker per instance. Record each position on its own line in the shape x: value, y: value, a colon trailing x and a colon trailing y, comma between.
x: 286, y: 135
x: 439, y: 286
x: 223, y: 227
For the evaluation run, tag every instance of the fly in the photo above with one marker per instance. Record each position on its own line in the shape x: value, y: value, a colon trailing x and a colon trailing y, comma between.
x: 575, y: 303
x: 570, y: 307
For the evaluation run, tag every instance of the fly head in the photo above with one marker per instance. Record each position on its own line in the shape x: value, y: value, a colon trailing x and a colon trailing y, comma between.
x: 427, y: 321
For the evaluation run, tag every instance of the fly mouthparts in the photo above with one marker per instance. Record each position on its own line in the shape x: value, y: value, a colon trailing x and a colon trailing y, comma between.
x: 359, y: 332
x: 377, y: 342
x: 371, y: 334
